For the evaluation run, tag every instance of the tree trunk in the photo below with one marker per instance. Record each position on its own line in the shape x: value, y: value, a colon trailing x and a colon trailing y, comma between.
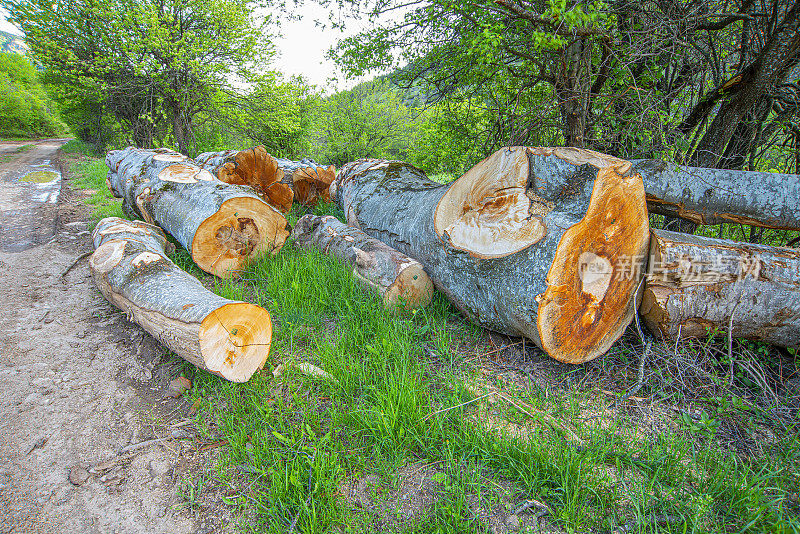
x: 398, y: 279
x: 744, y: 92
x: 572, y: 88
x: 253, y: 167
x: 131, y: 268
x: 698, y: 284
x: 714, y: 196
x: 221, y: 225
x: 524, y: 243
x: 310, y: 181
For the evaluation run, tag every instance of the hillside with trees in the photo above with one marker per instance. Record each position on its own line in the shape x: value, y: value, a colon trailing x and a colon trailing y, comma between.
x: 26, y: 110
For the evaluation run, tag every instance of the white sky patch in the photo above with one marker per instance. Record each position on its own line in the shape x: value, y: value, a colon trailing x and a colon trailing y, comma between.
x: 301, y: 46
x: 6, y: 26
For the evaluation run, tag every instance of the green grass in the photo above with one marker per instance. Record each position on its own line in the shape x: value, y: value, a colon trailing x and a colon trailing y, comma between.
x: 403, y: 395
x: 301, y: 444
x: 90, y: 174
x: 24, y: 148
x: 76, y: 146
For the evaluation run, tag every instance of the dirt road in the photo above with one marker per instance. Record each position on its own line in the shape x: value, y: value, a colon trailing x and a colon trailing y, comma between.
x: 78, y: 383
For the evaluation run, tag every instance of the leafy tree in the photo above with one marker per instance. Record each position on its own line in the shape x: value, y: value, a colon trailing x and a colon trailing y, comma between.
x: 369, y: 120
x: 444, y: 141
x: 707, y: 82
x: 25, y: 109
x: 272, y: 113
x: 152, y: 65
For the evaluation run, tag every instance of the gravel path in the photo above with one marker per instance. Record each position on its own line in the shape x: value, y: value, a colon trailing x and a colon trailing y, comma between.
x: 77, y: 383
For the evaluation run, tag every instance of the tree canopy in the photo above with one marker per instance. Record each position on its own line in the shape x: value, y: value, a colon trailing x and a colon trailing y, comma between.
x: 152, y: 65
x: 712, y: 83
x: 25, y: 108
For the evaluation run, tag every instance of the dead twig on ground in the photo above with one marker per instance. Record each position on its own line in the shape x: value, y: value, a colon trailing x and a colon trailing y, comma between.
x: 74, y: 263
x: 640, y: 380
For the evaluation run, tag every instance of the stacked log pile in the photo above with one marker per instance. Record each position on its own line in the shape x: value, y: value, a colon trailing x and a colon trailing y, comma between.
x: 221, y: 225
x: 546, y: 243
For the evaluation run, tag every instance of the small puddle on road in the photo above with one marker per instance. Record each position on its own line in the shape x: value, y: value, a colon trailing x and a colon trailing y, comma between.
x: 42, y: 183
x: 40, y: 177
x: 28, y: 201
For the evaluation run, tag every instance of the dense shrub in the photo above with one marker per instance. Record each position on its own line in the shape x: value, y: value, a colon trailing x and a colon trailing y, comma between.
x: 25, y: 108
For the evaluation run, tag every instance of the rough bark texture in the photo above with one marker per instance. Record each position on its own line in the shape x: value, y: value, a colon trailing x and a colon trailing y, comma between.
x: 696, y: 284
x: 253, y: 167
x: 398, y: 279
x: 713, y: 196
x: 531, y: 241
x: 309, y: 180
x: 131, y: 268
x: 221, y: 225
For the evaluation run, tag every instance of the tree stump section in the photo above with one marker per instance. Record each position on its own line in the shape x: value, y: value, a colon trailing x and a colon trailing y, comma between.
x: 131, y: 269
x: 221, y: 225
x: 696, y: 285
x: 253, y: 167
x: 714, y: 196
x: 537, y: 242
x: 278, y: 180
x: 398, y: 279
x: 311, y: 182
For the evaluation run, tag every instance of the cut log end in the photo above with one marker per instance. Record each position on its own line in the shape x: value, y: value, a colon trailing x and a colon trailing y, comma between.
x: 584, y: 310
x: 240, y: 230
x: 412, y: 288
x: 312, y: 184
x: 279, y: 195
x: 171, y: 156
x: 235, y: 340
x: 182, y: 173
x: 488, y: 212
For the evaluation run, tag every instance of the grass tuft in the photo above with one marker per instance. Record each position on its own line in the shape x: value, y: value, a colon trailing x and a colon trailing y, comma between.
x: 89, y: 174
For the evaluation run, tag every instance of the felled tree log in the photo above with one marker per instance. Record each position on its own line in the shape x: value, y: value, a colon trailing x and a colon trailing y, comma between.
x: 131, y: 268
x: 398, y: 279
x: 279, y: 180
x: 310, y: 181
x: 697, y: 284
x: 714, y: 196
x: 525, y: 243
x: 221, y: 225
x: 253, y: 167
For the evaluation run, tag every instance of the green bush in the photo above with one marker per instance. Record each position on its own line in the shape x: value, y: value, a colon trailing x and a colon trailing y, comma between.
x: 25, y: 109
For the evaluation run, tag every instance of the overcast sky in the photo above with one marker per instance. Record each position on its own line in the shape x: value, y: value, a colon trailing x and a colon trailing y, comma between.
x: 300, y: 44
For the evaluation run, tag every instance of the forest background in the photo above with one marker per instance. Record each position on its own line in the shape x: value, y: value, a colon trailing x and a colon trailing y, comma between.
x: 710, y: 83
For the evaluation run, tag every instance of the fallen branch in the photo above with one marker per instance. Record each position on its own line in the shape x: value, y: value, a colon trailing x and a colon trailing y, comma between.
x: 74, y: 263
